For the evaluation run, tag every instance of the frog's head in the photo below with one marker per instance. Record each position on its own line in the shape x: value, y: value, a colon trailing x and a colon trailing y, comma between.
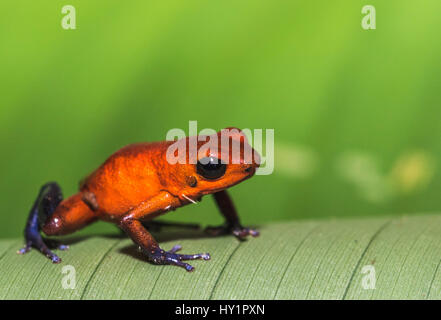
x: 220, y: 161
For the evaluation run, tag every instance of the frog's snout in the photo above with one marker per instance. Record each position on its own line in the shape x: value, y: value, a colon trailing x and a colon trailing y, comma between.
x: 254, y: 165
x: 250, y: 169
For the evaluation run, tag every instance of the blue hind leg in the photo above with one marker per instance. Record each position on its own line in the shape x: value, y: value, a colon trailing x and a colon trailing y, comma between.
x: 47, y: 201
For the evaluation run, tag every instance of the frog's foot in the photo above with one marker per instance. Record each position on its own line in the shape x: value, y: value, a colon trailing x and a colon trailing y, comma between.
x: 160, y: 256
x: 237, y: 230
x: 35, y: 240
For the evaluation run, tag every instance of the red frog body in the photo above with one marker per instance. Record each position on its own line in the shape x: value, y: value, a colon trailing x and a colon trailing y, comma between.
x: 138, y: 183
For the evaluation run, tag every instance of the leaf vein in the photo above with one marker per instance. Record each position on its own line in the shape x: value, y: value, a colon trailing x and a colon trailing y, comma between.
x: 156, y: 280
x: 409, y: 252
x: 374, y: 236
x: 433, y: 279
x: 97, y: 266
x: 222, y: 270
x: 292, y: 258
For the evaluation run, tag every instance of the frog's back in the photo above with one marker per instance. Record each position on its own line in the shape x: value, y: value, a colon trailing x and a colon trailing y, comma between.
x: 127, y: 177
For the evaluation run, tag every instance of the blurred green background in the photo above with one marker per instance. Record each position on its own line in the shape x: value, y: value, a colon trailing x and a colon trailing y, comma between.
x: 356, y: 113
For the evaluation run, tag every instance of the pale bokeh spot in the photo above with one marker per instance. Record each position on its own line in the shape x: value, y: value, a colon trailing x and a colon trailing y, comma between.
x: 362, y: 170
x: 294, y: 160
x: 412, y: 171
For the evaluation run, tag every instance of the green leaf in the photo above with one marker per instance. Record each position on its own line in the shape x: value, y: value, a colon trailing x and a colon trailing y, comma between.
x: 293, y: 260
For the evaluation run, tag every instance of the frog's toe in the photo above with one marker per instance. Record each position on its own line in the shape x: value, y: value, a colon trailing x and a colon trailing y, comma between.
x: 203, y: 256
x: 55, y: 244
x: 176, y: 248
x: 171, y: 257
x: 25, y: 249
x: 54, y: 258
x: 242, y: 233
x: 238, y: 231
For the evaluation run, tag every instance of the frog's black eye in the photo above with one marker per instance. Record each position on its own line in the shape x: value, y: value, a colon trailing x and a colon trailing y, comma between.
x: 211, y: 168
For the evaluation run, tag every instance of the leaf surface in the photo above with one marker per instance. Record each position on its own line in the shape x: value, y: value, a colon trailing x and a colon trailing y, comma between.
x: 321, y: 259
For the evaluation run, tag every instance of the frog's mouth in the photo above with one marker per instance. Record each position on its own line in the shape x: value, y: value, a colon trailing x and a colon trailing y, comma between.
x: 214, y: 190
x: 252, y: 169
